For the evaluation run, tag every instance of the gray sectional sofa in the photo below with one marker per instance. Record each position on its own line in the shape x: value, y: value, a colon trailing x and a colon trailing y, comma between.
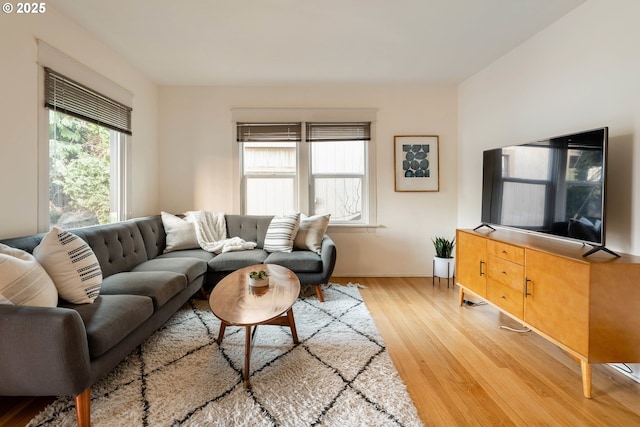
x: 63, y: 350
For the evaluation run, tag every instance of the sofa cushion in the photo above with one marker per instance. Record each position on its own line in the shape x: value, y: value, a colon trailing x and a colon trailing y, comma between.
x: 160, y: 286
x: 71, y: 264
x: 231, y: 261
x: 153, y: 234
x: 281, y: 233
x: 23, y: 281
x: 181, y: 234
x: 250, y: 228
x: 119, y: 246
x: 297, y: 261
x: 111, y: 318
x: 189, y: 253
x: 26, y: 243
x: 192, y: 268
x: 311, y: 231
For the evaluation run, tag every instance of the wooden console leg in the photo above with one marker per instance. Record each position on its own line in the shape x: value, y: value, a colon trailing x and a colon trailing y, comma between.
x: 83, y: 408
x: 319, y: 293
x: 586, y: 378
x: 461, y: 297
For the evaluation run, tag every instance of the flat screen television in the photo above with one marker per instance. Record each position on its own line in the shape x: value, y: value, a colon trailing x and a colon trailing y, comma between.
x: 555, y: 186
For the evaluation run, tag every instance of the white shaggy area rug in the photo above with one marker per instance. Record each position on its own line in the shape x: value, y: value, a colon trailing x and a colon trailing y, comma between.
x: 339, y: 374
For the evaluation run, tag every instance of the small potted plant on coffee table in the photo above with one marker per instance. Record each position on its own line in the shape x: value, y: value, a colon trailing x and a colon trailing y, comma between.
x: 259, y: 278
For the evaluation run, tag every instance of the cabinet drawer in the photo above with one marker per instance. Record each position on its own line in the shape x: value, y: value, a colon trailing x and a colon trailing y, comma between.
x: 506, y: 298
x: 506, y: 251
x: 506, y: 272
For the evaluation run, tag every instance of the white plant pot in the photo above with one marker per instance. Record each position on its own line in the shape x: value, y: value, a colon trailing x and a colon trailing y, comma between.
x: 443, y: 267
x: 259, y: 283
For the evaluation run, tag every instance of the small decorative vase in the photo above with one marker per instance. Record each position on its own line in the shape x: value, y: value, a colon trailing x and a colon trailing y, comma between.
x: 259, y: 283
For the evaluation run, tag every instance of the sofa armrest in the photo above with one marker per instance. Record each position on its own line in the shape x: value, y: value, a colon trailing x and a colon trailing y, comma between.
x: 328, y: 254
x: 43, y: 352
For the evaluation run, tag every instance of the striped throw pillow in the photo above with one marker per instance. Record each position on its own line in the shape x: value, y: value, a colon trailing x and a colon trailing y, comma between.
x: 71, y: 264
x: 311, y: 232
x: 281, y: 233
x: 23, y: 281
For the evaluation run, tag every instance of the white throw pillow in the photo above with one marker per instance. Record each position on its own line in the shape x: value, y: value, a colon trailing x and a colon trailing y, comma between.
x: 71, y: 264
x: 181, y: 233
x: 281, y: 232
x: 311, y: 231
x: 23, y: 281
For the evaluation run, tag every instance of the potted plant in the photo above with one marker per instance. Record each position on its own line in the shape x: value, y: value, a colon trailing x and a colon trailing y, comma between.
x: 259, y: 278
x: 443, y: 262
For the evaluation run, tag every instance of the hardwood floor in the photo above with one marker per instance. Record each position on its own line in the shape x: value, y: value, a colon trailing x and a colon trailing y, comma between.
x: 18, y: 411
x: 462, y: 369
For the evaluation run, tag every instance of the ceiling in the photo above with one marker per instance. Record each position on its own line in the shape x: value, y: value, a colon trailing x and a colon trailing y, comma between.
x: 295, y: 42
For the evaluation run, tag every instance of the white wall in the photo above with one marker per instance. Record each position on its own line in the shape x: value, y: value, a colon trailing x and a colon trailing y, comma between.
x: 197, y: 166
x: 580, y: 73
x: 19, y: 113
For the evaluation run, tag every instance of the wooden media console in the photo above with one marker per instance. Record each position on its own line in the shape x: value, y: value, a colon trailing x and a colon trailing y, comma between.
x: 589, y: 307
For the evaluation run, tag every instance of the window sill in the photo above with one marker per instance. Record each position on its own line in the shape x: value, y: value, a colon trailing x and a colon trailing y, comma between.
x: 353, y: 228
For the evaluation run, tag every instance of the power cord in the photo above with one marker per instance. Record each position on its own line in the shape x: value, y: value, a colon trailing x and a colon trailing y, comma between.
x: 624, y: 368
x: 520, y: 331
x: 473, y: 304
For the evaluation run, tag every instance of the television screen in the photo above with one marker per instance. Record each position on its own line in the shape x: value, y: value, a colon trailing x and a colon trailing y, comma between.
x: 554, y: 186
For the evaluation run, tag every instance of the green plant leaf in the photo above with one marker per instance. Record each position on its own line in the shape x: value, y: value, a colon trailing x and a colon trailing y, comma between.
x: 443, y: 247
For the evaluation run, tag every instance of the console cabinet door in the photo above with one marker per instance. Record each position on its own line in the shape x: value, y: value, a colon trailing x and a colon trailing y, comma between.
x: 557, y: 298
x: 471, y: 260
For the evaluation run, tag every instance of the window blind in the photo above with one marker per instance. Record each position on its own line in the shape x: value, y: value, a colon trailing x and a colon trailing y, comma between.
x: 269, y: 132
x: 327, y: 132
x: 72, y: 98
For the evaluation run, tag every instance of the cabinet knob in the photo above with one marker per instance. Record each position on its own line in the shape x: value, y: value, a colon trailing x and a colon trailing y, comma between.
x: 504, y: 272
x: 504, y: 252
x: 503, y: 297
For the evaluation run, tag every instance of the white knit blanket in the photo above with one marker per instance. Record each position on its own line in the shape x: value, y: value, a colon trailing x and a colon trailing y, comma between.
x: 211, y: 231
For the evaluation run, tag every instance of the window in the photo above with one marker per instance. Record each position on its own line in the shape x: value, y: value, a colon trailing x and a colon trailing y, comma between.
x: 338, y: 170
x: 269, y: 162
x: 87, y: 154
x: 328, y: 173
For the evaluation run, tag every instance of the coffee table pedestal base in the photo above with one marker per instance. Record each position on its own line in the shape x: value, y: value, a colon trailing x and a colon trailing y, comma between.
x: 286, y: 319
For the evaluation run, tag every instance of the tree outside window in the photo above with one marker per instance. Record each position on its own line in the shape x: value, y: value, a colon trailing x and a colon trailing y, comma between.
x: 79, y: 172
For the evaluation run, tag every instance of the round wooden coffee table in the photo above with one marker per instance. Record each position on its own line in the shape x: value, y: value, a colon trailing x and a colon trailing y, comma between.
x: 236, y: 303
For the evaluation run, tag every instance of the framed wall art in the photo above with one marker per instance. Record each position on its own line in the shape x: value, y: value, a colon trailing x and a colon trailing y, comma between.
x: 416, y: 163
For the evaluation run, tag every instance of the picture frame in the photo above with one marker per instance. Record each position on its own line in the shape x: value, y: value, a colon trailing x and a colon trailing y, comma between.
x: 416, y: 163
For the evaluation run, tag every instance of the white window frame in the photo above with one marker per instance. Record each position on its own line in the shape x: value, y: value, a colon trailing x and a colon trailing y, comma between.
x: 366, y: 180
x: 48, y: 56
x: 303, y: 191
